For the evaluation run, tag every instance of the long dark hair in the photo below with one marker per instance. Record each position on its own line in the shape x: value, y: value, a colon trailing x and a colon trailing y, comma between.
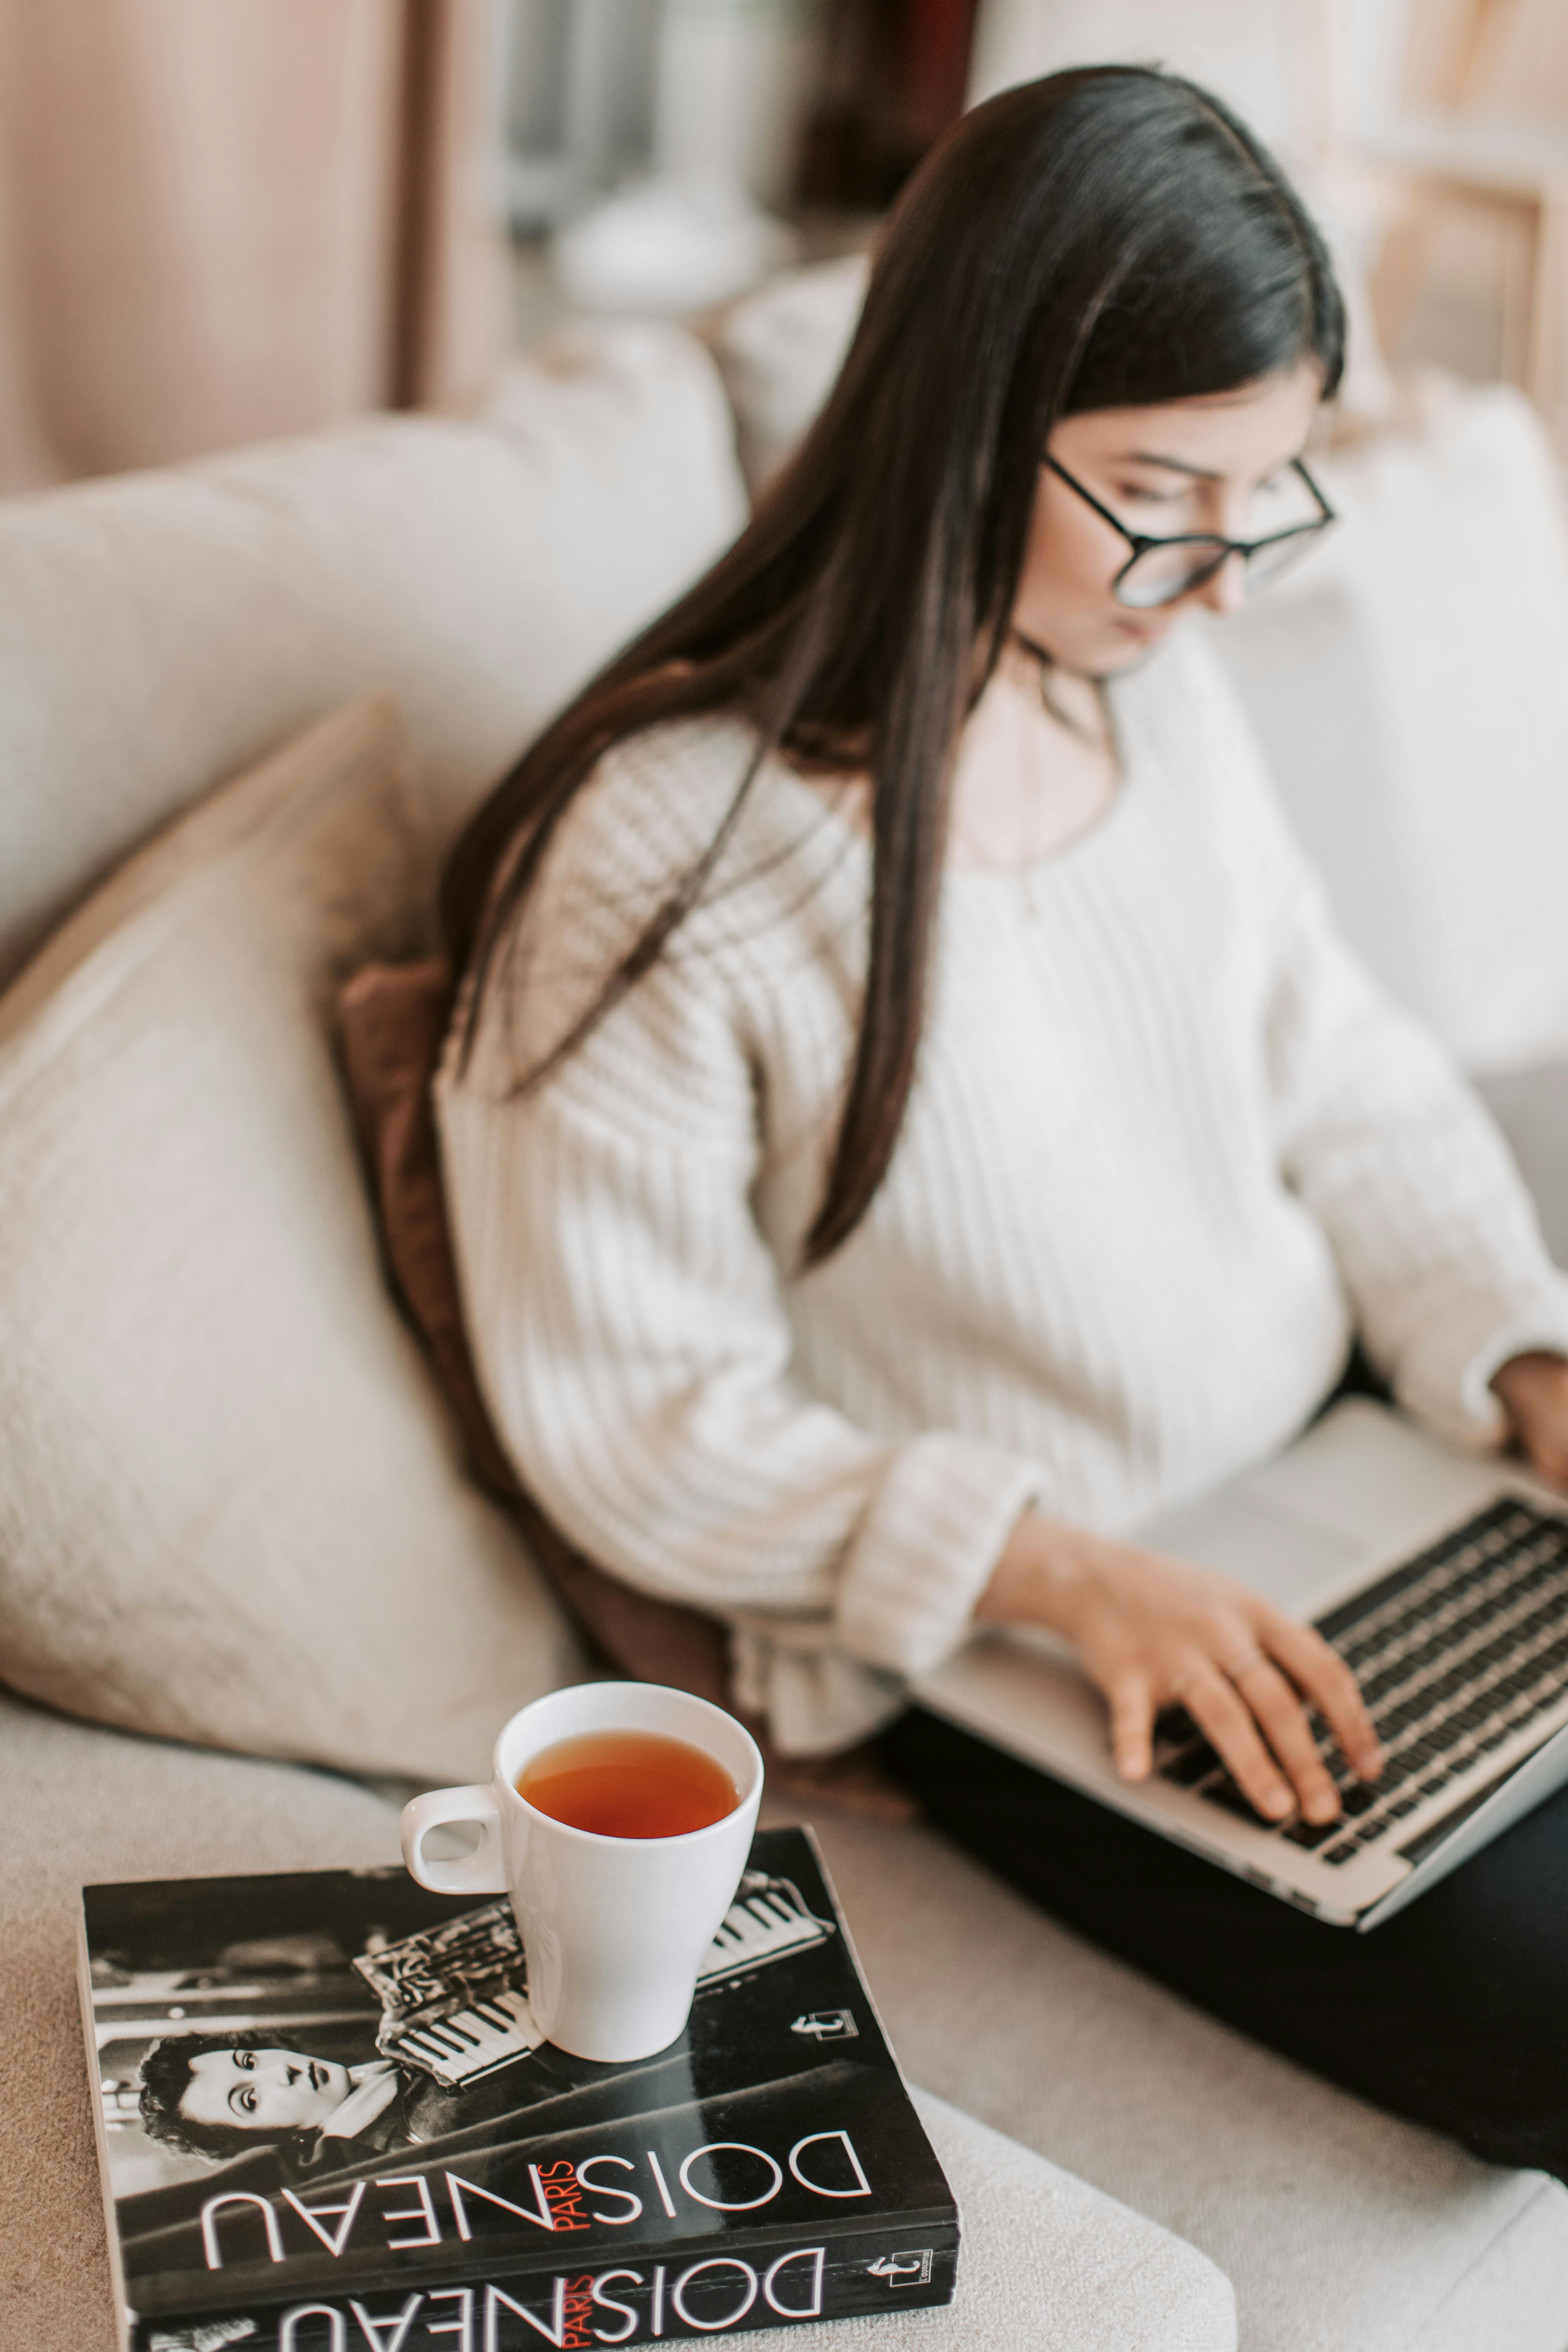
x: 165, y: 2073
x: 1108, y: 237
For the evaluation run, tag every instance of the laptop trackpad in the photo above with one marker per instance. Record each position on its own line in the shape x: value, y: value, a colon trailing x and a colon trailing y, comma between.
x: 1294, y: 1562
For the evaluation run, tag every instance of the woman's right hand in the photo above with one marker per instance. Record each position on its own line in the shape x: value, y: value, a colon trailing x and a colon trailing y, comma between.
x: 1155, y: 1633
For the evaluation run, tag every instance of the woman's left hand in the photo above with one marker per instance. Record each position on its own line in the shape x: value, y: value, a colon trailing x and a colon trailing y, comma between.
x: 1533, y: 1392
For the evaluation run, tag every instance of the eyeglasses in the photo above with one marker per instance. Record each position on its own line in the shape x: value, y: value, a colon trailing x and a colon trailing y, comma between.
x: 1159, y: 571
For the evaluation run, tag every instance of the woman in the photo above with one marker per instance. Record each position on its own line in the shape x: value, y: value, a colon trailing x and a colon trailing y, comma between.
x: 910, y: 1115
x: 220, y: 2094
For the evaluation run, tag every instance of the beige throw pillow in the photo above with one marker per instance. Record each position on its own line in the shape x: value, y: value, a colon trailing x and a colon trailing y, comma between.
x: 230, y: 1505
x: 779, y: 350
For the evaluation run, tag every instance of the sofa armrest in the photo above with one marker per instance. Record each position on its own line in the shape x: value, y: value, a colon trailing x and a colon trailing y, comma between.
x: 1051, y: 2264
x: 1531, y: 1109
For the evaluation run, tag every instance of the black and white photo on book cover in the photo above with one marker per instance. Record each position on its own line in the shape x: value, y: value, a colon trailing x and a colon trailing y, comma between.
x: 327, y: 2125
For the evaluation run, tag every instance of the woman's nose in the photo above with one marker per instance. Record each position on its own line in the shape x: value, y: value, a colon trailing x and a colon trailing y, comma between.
x: 1227, y: 591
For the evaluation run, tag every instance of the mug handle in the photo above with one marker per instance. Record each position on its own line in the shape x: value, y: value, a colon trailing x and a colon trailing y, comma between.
x: 483, y: 1872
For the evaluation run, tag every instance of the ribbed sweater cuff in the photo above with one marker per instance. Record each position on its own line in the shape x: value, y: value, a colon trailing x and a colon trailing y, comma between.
x: 925, y: 1550
x: 1445, y: 1374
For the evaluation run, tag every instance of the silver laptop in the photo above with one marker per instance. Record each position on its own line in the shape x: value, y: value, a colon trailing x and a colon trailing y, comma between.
x: 1442, y: 1579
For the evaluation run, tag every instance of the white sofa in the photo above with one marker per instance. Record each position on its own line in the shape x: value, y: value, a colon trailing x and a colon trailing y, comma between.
x: 161, y: 632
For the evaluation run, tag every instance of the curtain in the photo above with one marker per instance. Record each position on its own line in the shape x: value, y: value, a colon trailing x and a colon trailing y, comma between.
x: 222, y: 220
x: 1506, y: 59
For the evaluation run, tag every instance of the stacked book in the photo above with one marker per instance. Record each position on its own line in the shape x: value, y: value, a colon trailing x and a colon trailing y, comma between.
x: 327, y: 2125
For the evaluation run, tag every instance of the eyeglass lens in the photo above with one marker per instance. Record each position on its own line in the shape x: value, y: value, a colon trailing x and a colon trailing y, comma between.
x: 1161, y: 574
x: 1284, y: 505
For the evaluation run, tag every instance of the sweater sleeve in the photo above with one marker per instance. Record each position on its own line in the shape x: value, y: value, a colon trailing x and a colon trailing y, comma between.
x: 628, y: 1319
x: 1381, y: 1138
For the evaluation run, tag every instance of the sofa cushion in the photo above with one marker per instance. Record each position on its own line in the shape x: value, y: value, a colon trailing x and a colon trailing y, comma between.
x: 1342, y: 2229
x: 162, y: 629
x: 1049, y: 2265
x: 779, y: 350
x: 1408, y: 689
x: 1454, y: 561
x: 230, y: 1508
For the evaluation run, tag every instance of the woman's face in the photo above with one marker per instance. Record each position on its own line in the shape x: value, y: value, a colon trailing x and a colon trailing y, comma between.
x: 1205, y: 465
x: 267, y: 2091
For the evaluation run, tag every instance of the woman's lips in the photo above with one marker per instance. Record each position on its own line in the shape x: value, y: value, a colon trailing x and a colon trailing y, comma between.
x: 1147, y: 632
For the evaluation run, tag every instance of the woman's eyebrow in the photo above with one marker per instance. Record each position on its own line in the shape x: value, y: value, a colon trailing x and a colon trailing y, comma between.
x: 1170, y: 464
x: 1182, y: 465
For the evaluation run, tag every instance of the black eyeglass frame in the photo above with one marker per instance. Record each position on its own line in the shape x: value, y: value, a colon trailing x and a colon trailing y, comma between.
x: 1224, y: 549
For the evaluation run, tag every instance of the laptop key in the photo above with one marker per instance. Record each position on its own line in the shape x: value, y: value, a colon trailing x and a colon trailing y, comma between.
x: 1224, y: 1792
x: 1194, y: 1765
x: 1175, y: 1725
x: 1311, y: 1835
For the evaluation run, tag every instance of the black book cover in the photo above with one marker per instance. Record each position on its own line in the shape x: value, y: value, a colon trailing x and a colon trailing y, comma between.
x: 393, y: 2162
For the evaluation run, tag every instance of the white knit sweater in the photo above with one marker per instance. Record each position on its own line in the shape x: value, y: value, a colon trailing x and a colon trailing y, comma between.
x: 1168, y: 1145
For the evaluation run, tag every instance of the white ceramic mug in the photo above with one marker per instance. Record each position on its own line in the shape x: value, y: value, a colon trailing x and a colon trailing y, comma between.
x: 615, y: 1928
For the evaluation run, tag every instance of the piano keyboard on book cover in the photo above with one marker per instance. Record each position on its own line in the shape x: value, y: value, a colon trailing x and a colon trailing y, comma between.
x: 767, y: 1921
x: 473, y: 2040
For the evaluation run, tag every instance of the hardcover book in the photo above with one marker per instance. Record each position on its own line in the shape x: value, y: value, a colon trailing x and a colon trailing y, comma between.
x: 326, y: 2124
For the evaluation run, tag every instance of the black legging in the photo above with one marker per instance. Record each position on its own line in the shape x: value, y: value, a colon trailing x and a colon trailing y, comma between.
x: 1455, y: 2014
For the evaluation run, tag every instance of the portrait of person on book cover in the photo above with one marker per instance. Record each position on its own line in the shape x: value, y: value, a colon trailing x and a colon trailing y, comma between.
x: 223, y: 2094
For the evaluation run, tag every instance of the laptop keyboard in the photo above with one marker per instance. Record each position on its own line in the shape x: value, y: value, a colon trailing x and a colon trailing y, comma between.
x: 1456, y: 1650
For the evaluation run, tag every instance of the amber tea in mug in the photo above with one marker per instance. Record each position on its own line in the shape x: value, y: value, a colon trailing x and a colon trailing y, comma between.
x: 628, y: 1784
x: 618, y: 1817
